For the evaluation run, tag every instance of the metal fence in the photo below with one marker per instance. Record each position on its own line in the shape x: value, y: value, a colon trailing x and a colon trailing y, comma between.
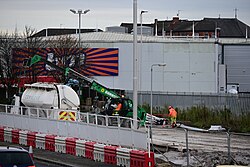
x: 100, y: 128
x: 236, y: 103
x: 221, y: 143
x: 202, y: 147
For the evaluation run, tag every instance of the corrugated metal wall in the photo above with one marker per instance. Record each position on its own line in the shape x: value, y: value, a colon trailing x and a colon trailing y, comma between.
x: 237, y: 60
x: 235, y: 103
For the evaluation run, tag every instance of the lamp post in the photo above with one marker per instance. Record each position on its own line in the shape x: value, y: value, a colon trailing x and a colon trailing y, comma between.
x: 151, y: 98
x: 143, y: 11
x: 140, y: 59
x: 135, y: 64
x: 79, y: 12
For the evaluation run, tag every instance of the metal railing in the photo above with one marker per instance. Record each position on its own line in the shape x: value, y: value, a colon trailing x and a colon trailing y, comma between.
x: 225, y: 140
x: 113, y: 130
x: 96, y: 119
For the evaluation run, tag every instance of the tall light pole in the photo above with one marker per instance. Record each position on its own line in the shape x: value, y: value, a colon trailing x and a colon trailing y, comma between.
x: 79, y: 12
x: 151, y: 98
x: 135, y: 64
x: 140, y: 59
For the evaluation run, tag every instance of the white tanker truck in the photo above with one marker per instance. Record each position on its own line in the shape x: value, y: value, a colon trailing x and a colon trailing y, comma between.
x: 47, y: 96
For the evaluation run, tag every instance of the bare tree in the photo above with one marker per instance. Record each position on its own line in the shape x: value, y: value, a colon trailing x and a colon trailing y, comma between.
x: 7, y: 43
x: 28, y: 40
x: 33, y: 42
x: 62, y: 41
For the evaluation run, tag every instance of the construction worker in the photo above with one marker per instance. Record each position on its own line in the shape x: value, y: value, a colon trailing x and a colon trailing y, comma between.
x: 172, y: 114
x: 118, y: 108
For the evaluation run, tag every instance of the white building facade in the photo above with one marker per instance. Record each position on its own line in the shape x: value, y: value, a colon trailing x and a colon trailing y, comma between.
x: 191, y: 65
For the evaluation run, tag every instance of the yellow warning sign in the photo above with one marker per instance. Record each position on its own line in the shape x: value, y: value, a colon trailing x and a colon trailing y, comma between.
x: 67, y: 115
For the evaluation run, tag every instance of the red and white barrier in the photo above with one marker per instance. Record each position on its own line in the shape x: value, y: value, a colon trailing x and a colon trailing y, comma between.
x: 1, y: 133
x: 40, y: 140
x: 123, y: 156
x: 50, y: 142
x: 89, y: 149
x: 60, y: 144
x: 23, y: 137
x: 139, y: 158
x: 99, y: 152
x: 8, y: 134
x: 15, y: 136
x: 110, y: 154
x: 31, y: 139
x: 80, y: 147
x: 71, y: 146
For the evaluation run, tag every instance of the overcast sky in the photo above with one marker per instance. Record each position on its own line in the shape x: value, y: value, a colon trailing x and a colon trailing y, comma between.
x: 40, y: 14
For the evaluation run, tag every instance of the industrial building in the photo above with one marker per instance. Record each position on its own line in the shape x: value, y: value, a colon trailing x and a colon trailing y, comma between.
x: 192, y: 65
x: 207, y: 59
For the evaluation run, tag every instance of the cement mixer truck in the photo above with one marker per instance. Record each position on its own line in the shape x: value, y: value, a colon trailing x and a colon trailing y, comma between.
x: 44, y: 96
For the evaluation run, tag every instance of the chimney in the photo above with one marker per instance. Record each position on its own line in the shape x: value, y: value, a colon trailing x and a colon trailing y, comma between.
x: 156, y: 29
x: 175, y: 19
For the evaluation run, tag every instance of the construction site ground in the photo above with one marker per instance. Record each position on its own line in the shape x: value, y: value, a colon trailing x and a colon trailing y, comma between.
x: 206, y: 148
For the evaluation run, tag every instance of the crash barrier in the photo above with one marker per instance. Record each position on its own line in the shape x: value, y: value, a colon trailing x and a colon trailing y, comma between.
x: 80, y: 147
x: 40, y: 140
x: 15, y: 136
x: 50, y: 142
x: 123, y: 156
x: 71, y: 146
x: 60, y: 144
x: 23, y: 137
x: 113, y: 130
x: 89, y: 150
x: 8, y: 134
x: 99, y: 152
x: 109, y: 154
x: 1, y: 133
x: 139, y: 158
x: 31, y: 139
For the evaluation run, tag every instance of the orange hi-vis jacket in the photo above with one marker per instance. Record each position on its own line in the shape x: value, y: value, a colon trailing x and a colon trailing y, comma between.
x: 172, y: 113
x: 119, y: 107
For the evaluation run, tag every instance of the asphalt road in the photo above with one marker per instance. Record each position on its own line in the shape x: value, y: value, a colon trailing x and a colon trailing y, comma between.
x: 46, y: 158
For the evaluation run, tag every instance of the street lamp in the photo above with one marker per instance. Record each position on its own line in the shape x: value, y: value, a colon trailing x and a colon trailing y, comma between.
x: 151, y: 98
x: 135, y: 64
x: 140, y: 59
x: 143, y: 11
x: 79, y: 12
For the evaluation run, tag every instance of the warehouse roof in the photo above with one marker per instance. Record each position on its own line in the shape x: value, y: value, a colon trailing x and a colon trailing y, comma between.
x: 111, y: 37
x: 62, y: 31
